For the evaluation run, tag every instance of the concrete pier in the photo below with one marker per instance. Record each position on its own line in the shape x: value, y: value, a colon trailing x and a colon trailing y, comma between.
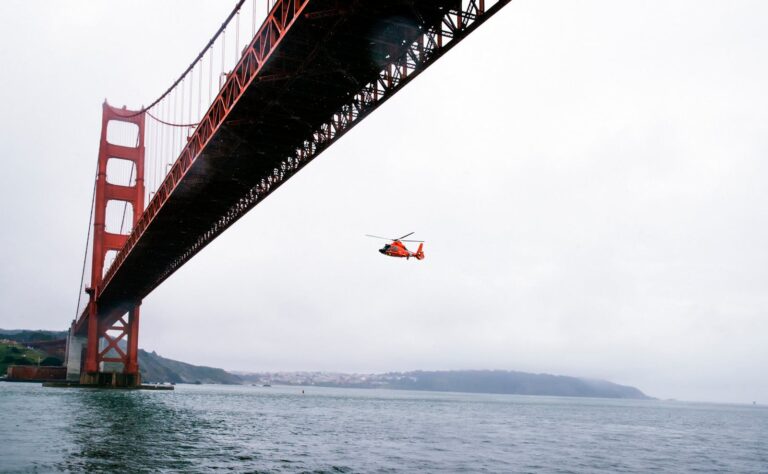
x: 68, y: 384
x: 74, y: 355
x: 110, y: 374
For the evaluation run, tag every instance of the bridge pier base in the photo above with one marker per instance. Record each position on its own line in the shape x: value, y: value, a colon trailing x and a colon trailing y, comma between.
x: 110, y: 357
x: 111, y: 379
x: 75, y: 355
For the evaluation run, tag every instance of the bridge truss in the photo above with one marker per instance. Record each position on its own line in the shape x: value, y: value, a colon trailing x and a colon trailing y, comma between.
x: 312, y: 71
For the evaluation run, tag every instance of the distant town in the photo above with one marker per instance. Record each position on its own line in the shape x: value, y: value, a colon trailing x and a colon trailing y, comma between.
x: 323, y: 378
x: 472, y: 381
x: 33, y: 355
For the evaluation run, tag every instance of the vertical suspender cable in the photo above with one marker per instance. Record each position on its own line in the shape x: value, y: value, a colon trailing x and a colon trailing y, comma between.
x: 169, y: 138
x: 191, y: 88
x: 220, y: 31
x: 147, y: 155
x: 253, y: 22
x: 188, y: 99
x: 164, y: 143
x: 155, y: 156
x: 172, y: 132
x: 157, y: 152
x: 161, y: 141
x: 199, y: 92
x: 171, y: 135
x: 160, y: 149
x: 130, y: 178
x: 179, y: 112
x: 87, y: 242
x: 125, y: 203
x: 237, y: 36
x: 210, y: 75
x: 181, y: 115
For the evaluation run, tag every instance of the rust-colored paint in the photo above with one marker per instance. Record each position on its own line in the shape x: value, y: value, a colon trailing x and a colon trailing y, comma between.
x: 287, y: 62
x: 104, y: 241
x: 33, y: 373
x: 398, y: 249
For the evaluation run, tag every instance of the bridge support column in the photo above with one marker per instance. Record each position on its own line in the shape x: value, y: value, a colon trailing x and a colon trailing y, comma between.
x: 74, y: 356
x: 132, y: 355
x: 112, y: 350
x: 111, y: 356
x: 92, y: 349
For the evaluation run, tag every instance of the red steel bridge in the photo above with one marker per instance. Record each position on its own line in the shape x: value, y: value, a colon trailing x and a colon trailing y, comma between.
x: 276, y: 85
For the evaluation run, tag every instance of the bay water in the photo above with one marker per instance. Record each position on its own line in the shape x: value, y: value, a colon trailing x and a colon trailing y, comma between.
x: 312, y: 429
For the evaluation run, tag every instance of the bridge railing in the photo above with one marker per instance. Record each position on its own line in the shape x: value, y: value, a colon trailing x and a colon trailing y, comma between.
x: 184, y: 118
x: 177, y: 151
x: 173, y: 118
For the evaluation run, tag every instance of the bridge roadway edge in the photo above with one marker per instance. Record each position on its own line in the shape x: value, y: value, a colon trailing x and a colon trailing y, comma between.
x: 321, y: 136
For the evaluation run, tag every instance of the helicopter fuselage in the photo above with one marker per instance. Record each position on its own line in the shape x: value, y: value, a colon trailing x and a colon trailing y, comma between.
x: 397, y: 249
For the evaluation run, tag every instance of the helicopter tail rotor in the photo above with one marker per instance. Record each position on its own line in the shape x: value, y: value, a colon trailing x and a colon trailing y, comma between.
x: 420, y: 252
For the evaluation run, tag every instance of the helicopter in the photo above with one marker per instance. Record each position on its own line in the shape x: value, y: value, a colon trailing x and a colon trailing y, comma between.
x: 397, y: 249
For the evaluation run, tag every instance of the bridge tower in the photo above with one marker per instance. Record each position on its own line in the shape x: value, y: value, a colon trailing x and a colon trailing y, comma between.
x: 110, y: 355
x: 312, y: 71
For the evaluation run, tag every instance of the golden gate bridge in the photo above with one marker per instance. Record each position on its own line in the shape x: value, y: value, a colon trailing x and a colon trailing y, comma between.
x: 275, y: 86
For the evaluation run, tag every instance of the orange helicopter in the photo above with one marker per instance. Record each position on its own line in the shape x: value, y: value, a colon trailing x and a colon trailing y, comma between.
x: 397, y: 249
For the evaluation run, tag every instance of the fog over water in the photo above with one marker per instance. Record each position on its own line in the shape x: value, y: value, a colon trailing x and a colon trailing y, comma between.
x: 589, y: 178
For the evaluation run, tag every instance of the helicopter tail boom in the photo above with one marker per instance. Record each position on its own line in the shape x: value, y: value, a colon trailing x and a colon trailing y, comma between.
x: 420, y: 252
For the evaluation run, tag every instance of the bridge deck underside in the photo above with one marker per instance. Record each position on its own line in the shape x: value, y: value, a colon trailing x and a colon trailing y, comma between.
x: 329, y: 54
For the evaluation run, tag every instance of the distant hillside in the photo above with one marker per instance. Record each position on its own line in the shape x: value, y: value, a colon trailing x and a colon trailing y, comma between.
x: 521, y: 383
x: 25, y: 347
x: 26, y: 335
x: 474, y: 381
x: 14, y: 353
x: 155, y: 369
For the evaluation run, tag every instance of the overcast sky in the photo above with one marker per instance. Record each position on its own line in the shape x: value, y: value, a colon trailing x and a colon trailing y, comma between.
x: 589, y: 177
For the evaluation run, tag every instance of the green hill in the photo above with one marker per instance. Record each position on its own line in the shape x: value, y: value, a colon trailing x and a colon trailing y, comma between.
x: 156, y: 369
x: 13, y: 353
x: 26, y: 335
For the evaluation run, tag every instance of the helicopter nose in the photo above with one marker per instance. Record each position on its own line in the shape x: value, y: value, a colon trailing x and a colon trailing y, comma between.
x: 381, y: 250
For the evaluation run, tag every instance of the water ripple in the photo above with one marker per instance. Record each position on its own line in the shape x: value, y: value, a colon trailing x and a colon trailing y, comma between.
x: 279, y: 429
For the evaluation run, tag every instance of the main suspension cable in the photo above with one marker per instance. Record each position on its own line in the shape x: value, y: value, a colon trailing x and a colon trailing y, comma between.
x: 192, y: 64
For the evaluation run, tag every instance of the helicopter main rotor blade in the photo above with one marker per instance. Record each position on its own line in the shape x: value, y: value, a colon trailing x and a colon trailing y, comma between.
x: 377, y: 237
x: 410, y: 240
x: 406, y: 235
